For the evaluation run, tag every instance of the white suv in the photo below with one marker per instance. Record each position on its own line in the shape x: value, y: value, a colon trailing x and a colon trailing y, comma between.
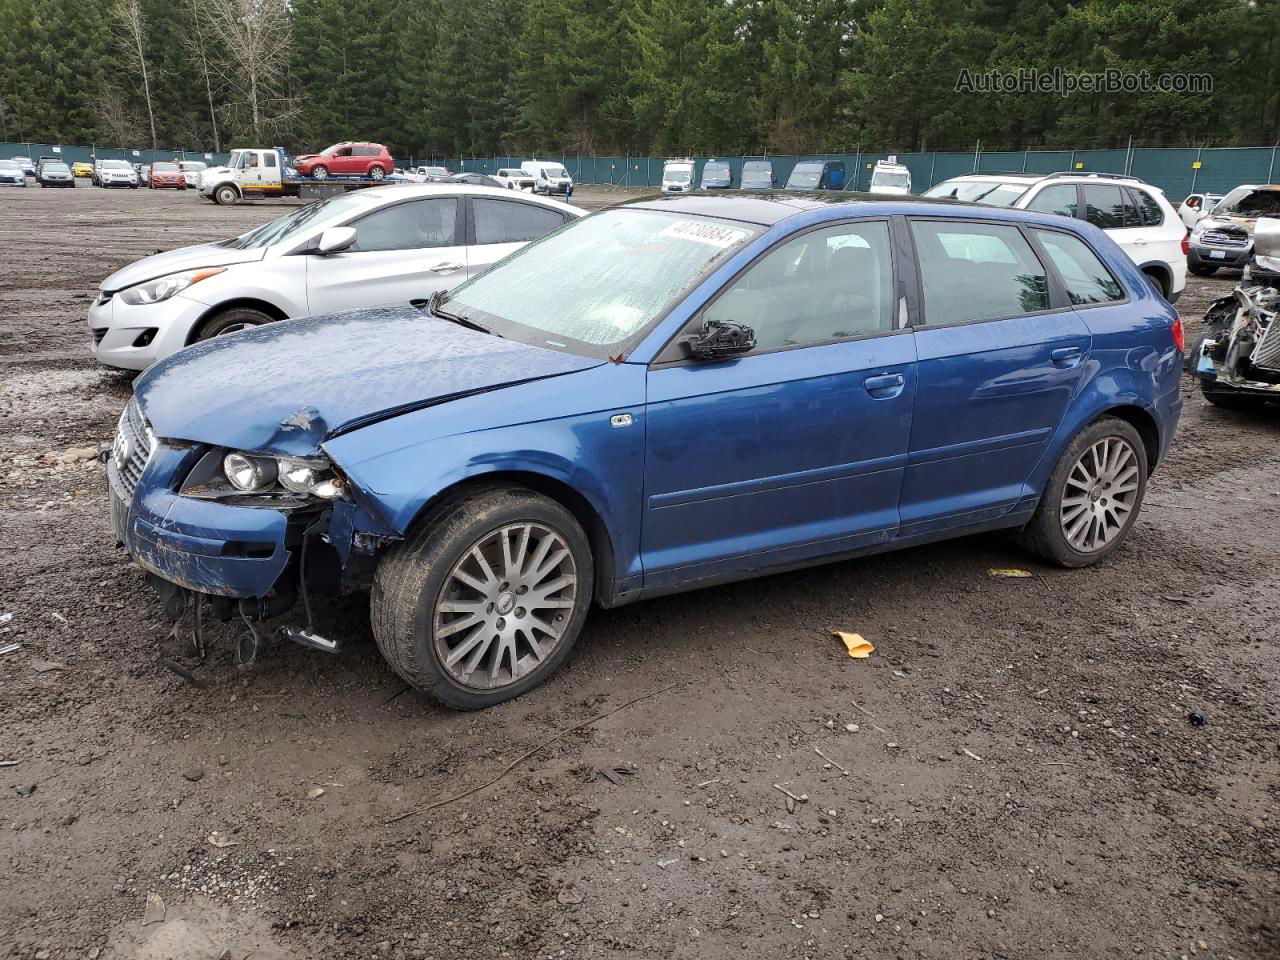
x: 1136, y: 215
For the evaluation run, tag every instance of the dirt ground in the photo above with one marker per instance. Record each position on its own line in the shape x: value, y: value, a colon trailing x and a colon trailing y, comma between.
x: 1024, y: 779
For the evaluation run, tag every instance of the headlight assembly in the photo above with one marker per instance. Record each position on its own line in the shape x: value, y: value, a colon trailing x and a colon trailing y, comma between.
x: 252, y: 473
x: 162, y: 288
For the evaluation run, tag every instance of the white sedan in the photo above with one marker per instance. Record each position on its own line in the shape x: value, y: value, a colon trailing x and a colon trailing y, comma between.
x: 373, y: 247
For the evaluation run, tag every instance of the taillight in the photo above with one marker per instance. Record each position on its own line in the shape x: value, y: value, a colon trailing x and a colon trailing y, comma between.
x: 1179, y: 335
x: 1186, y: 246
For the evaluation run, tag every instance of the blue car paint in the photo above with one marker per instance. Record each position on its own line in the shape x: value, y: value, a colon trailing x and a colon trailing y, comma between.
x: 719, y: 474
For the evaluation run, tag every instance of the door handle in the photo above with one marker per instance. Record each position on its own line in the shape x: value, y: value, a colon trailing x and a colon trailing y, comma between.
x: 884, y: 382
x: 445, y: 267
x: 1066, y: 356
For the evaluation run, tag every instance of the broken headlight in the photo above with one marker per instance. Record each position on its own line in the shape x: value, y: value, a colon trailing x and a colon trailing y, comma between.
x: 313, y: 477
x: 256, y: 479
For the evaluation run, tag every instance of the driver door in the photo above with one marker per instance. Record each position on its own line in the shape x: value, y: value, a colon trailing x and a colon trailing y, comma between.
x: 796, y: 449
x: 402, y: 252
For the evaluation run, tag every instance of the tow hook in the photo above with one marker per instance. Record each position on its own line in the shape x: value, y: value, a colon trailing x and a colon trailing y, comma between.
x: 309, y: 638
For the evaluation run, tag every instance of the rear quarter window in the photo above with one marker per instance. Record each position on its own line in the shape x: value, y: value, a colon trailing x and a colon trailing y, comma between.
x: 1083, y: 274
x: 1152, y: 212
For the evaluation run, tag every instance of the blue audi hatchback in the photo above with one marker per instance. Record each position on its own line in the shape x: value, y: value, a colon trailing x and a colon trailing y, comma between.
x: 663, y: 395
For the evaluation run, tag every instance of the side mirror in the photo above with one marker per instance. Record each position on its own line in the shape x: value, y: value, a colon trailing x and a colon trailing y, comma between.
x: 718, y: 339
x: 335, y: 240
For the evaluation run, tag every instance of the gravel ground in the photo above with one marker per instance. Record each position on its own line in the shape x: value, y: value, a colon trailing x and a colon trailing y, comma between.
x: 1023, y: 777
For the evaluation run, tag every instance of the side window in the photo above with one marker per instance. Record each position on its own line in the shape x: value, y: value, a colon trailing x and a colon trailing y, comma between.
x: 1086, y: 279
x: 344, y: 152
x: 1152, y: 212
x: 1059, y: 198
x: 250, y: 159
x: 825, y: 285
x: 269, y: 160
x: 977, y: 271
x: 509, y: 221
x: 1104, y: 206
x: 408, y: 226
x: 1132, y: 218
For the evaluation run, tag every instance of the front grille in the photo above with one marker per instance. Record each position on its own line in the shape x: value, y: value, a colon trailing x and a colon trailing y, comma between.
x: 133, y: 446
x: 1223, y: 238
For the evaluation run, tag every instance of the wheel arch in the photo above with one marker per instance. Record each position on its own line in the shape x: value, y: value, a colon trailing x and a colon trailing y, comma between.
x: 554, y: 488
x: 1161, y: 272
x: 251, y: 303
x: 1141, y: 420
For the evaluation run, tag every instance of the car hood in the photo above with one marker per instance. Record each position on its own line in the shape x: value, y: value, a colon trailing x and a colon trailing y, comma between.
x: 184, y: 258
x: 1226, y: 222
x: 285, y: 387
x: 306, y: 156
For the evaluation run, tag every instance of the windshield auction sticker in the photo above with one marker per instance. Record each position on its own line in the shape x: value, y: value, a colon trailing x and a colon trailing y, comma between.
x: 703, y: 232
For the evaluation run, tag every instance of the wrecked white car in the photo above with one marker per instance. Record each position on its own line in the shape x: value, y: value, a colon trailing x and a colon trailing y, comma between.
x: 1238, y: 359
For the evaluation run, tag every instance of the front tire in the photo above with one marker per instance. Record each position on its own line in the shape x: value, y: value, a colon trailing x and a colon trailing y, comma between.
x: 320, y: 172
x: 226, y: 195
x: 1092, y: 497
x: 486, y: 597
x: 1229, y: 399
x: 230, y: 321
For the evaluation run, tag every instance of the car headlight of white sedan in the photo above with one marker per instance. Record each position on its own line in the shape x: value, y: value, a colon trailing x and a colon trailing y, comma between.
x: 162, y: 288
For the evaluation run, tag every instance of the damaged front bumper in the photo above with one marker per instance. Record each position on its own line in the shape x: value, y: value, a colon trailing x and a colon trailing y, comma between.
x: 1240, y: 350
x: 199, y: 545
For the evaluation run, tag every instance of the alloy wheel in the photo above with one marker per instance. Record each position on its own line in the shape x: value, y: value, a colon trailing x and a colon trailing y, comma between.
x: 1100, y: 494
x: 505, y: 605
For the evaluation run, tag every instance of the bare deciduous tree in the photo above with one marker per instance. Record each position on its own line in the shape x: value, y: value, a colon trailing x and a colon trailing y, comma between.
x: 197, y: 43
x: 127, y: 16
x: 120, y: 122
x: 256, y: 35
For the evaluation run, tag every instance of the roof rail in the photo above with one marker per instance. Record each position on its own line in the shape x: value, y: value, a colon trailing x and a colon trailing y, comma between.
x: 1095, y: 173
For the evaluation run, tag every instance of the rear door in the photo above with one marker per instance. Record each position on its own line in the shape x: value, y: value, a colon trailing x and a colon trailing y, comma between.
x: 1001, y: 354
x: 402, y: 252
x: 498, y: 226
x: 796, y: 449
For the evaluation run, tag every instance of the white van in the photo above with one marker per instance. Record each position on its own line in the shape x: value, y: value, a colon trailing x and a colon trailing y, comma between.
x: 677, y: 176
x: 548, y: 177
x: 889, y: 176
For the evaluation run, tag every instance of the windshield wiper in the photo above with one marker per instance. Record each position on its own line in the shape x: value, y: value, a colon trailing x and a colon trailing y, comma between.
x: 434, y: 308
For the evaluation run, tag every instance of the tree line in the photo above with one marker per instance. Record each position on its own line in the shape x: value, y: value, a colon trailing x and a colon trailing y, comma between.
x: 449, y: 77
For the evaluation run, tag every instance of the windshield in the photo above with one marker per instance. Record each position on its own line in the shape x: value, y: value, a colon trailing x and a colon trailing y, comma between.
x: 598, y: 282
x: 715, y: 171
x: 993, y: 193
x: 883, y: 179
x: 193, y: 165
x: 164, y: 168
x: 805, y: 175
x: 53, y: 167
x: 554, y: 172
x: 1249, y: 202
x: 330, y: 151
x: 317, y: 214
x: 757, y: 174
x: 115, y: 165
x: 9, y: 165
x: 677, y: 174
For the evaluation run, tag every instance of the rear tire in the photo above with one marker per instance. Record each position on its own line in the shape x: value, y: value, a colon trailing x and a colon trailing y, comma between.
x: 377, y: 173
x: 1202, y: 270
x: 517, y: 626
x: 320, y: 173
x: 1093, y: 495
x: 1159, y: 282
x: 230, y: 321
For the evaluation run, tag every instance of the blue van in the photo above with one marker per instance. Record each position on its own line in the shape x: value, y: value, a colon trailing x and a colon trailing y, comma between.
x: 716, y: 175
x: 817, y: 175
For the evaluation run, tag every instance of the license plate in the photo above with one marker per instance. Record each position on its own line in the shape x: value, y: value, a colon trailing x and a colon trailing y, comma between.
x: 1217, y: 254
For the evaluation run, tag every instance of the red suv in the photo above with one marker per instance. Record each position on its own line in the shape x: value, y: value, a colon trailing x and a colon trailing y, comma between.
x: 166, y: 174
x: 347, y: 160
